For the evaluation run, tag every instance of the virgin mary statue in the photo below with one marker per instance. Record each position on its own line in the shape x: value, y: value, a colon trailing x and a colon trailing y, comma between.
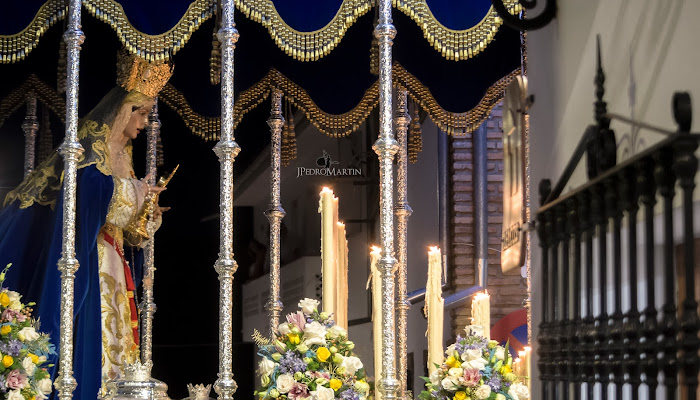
x: 108, y: 196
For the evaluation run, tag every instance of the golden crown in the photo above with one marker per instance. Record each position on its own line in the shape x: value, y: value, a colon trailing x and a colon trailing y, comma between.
x: 135, y: 73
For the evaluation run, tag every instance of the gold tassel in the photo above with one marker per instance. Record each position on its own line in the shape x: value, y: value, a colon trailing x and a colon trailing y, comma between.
x: 61, y: 70
x: 215, y: 58
x: 45, y: 136
x: 415, y: 140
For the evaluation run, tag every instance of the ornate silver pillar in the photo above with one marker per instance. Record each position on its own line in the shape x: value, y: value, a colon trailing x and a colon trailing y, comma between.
x: 148, y: 306
x: 227, y: 149
x: 70, y: 150
x: 275, y: 212
x: 386, y: 148
x: 30, y: 126
x: 403, y: 211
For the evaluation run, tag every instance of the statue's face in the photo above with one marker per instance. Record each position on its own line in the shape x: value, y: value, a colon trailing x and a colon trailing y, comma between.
x: 137, y: 122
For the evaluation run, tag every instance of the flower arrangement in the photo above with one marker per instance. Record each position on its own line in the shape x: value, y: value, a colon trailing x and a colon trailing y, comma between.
x: 23, y: 350
x: 475, y: 369
x: 310, y: 357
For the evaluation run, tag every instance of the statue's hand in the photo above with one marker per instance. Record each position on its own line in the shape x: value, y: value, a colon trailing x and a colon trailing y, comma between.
x: 158, y: 212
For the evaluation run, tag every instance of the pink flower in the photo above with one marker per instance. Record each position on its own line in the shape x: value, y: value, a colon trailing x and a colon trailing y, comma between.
x: 9, y: 315
x: 299, y: 391
x: 297, y: 319
x: 471, y: 377
x: 16, y: 379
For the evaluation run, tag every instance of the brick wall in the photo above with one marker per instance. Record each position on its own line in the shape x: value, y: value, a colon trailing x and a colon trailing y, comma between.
x: 507, y: 292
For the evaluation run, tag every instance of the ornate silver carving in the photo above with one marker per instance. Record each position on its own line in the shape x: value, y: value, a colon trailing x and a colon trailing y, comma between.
x: 30, y: 126
x: 137, y: 384
x: 275, y: 212
x: 226, y: 149
x: 403, y: 211
x: 148, y: 306
x: 70, y: 150
x: 386, y: 148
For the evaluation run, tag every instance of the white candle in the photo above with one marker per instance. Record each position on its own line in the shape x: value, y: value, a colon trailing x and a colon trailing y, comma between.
x: 526, y: 365
x: 435, y: 306
x: 341, y: 301
x: 328, y: 249
x: 376, y: 315
x: 481, y: 312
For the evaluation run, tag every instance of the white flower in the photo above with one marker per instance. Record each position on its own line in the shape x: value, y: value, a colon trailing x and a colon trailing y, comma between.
x: 471, y: 354
x: 285, y: 383
x: 483, y: 392
x: 265, y: 367
x: 336, y: 331
x: 435, y: 377
x: 500, y: 397
x: 449, y: 383
x: 455, y: 372
x: 284, y: 329
x: 500, y: 353
x: 450, y: 349
x: 518, y: 391
x: 474, y: 330
x: 362, y: 387
x: 323, y: 393
x: 15, y: 305
x: 308, y: 306
x: 314, y: 333
x: 42, y: 359
x: 27, y: 334
x: 28, y: 366
x: 352, y: 364
x: 477, y: 364
x: 44, y: 385
x: 14, y: 395
x: 14, y: 296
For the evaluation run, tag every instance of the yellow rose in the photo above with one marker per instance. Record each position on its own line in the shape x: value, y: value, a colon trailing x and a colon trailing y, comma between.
x: 450, y: 361
x: 5, y: 329
x: 7, y: 361
x: 460, y: 395
x: 505, y: 370
x: 34, y: 358
x: 335, y: 384
x: 4, y: 299
x: 293, y: 338
x: 322, y: 354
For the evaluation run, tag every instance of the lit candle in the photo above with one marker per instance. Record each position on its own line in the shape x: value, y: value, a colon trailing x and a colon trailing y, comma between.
x: 328, y: 249
x: 526, y: 364
x: 522, y: 358
x: 376, y: 314
x: 481, y: 312
x: 435, y: 306
x: 341, y: 316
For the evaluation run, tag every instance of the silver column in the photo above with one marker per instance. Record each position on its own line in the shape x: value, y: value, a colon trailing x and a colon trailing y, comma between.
x: 227, y: 149
x: 30, y: 126
x: 70, y: 150
x: 386, y: 148
x: 481, y: 204
x: 275, y: 212
x: 403, y: 211
x: 148, y: 306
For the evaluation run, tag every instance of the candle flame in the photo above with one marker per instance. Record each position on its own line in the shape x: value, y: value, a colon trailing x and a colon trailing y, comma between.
x: 527, y: 349
x: 433, y: 249
x: 326, y: 190
x: 375, y: 249
x: 520, y: 354
x: 340, y: 224
x: 481, y: 295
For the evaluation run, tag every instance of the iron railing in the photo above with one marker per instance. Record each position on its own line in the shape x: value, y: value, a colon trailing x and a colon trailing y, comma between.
x: 586, y: 348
